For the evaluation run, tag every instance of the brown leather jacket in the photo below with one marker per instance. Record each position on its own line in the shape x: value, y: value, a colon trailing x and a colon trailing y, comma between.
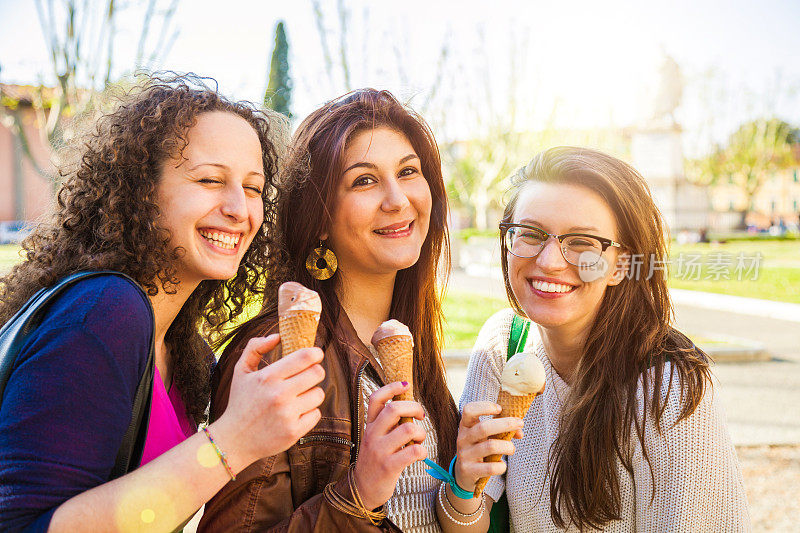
x: 284, y: 492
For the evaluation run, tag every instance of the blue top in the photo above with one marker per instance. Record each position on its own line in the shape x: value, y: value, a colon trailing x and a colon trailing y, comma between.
x: 69, y: 399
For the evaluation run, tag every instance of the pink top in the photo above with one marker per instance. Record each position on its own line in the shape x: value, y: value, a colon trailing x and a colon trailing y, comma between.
x: 169, y: 423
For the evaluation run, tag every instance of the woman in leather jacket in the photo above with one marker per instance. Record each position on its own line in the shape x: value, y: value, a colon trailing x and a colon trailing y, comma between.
x: 363, y: 183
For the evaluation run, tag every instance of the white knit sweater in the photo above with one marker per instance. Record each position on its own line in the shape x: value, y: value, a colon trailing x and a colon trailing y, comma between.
x: 698, y: 482
x: 412, y: 507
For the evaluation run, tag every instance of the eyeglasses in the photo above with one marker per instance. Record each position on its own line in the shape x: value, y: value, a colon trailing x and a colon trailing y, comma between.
x: 579, y: 249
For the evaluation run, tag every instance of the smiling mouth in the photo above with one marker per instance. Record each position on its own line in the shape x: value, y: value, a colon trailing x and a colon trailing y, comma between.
x: 221, y: 239
x: 549, y: 287
x: 400, y: 231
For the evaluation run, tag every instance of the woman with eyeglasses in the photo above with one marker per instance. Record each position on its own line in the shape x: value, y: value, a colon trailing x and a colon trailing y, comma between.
x: 628, y: 434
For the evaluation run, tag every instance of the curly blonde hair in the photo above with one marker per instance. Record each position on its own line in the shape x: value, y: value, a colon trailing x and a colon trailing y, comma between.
x: 107, y: 217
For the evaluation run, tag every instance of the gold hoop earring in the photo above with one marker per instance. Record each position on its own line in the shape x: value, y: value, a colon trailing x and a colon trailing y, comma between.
x: 321, y: 262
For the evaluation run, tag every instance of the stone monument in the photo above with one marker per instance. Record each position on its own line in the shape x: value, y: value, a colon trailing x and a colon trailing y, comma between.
x: 657, y: 152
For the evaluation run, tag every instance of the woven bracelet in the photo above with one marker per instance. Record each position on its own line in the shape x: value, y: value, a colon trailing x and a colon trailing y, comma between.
x: 222, y: 456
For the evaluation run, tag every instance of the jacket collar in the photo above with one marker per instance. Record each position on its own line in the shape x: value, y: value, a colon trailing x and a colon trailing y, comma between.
x: 358, y: 351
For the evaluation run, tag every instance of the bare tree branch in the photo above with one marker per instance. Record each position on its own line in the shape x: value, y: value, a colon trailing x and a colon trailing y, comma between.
x: 148, y: 16
x: 164, y: 43
x: 18, y: 129
x: 110, y: 24
x: 319, y: 18
x: 79, y: 36
x: 441, y: 65
x: 343, y: 59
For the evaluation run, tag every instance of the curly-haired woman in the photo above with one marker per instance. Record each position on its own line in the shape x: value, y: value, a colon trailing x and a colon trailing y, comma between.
x: 363, y: 183
x: 171, y: 188
x: 628, y: 434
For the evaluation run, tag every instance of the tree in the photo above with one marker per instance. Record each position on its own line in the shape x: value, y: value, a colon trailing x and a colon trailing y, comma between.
x: 751, y: 154
x: 478, y: 169
x: 343, y: 17
x: 279, y: 89
x: 354, y: 54
x: 80, y: 39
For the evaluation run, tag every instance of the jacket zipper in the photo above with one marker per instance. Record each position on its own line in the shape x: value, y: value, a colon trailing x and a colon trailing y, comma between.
x: 331, y: 438
x: 359, y: 407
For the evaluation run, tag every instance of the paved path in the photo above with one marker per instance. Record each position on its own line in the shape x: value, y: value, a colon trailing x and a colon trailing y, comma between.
x: 761, y: 399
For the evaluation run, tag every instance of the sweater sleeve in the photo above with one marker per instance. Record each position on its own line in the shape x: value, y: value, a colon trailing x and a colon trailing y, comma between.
x: 698, y: 484
x: 483, y: 374
x: 68, y: 400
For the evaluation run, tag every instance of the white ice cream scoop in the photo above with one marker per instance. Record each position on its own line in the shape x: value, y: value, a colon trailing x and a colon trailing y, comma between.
x: 523, y: 374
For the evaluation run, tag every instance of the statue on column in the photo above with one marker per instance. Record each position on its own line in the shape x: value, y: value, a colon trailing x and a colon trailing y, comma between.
x: 669, y: 92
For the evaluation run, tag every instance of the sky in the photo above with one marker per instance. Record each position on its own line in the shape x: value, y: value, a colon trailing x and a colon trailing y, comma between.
x: 466, y: 64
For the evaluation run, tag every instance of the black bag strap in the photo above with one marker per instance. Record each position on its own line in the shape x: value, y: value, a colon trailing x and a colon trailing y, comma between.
x: 16, y: 331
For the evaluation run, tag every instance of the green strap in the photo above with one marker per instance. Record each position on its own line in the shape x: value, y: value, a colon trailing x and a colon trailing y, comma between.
x: 519, y: 335
x: 499, y: 521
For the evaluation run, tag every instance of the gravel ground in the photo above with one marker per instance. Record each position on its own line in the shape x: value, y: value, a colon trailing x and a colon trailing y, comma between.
x: 772, y: 481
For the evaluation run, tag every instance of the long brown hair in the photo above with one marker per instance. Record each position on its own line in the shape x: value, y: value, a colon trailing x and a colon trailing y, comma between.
x: 107, y: 214
x: 311, y: 175
x: 631, y: 334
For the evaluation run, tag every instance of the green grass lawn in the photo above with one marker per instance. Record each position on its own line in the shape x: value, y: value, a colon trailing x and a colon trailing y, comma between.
x: 778, y: 275
x: 464, y: 314
x: 9, y: 255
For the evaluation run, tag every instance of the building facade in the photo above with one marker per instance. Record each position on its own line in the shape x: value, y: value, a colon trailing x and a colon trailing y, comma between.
x: 25, y: 193
x: 778, y: 200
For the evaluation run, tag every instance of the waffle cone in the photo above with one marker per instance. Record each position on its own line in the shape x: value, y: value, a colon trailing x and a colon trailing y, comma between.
x: 397, y: 359
x: 510, y: 405
x: 298, y: 330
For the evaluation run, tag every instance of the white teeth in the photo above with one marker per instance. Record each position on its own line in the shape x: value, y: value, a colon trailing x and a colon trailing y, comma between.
x: 545, y: 286
x: 222, y: 240
x: 392, y: 231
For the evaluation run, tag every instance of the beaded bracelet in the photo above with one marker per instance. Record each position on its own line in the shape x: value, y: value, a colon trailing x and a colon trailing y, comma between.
x: 458, y: 522
x: 453, y: 507
x: 222, y: 456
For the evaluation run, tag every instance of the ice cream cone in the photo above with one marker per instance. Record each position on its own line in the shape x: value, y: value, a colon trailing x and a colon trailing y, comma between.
x: 510, y: 405
x: 298, y: 329
x: 299, y: 310
x: 396, y: 352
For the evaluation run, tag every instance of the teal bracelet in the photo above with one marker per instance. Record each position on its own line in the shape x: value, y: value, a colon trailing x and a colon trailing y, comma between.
x: 448, y: 476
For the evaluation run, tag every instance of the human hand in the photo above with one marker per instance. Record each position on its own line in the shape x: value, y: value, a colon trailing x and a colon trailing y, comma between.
x: 473, y: 444
x: 271, y: 408
x: 386, y: 447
